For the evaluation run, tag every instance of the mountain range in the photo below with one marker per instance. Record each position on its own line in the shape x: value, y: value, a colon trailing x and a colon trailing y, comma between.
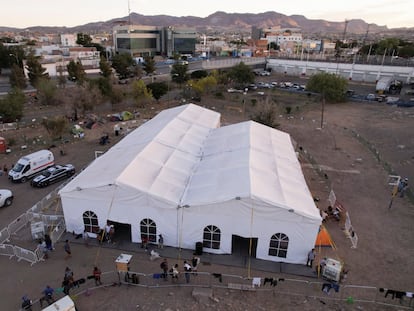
x: 221, y: 21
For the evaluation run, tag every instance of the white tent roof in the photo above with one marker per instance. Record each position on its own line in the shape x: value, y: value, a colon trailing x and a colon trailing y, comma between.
x: 157, y: 158
x: 182, y: 157
x: 250, y: 160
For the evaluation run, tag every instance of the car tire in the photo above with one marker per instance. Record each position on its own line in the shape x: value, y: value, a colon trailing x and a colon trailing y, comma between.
x: 23, y: 180
x: 8, y: 202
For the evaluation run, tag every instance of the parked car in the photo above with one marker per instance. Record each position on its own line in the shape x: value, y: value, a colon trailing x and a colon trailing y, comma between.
x: 264, y: 73
x: 231, y: 90
x: 6, y: 197
x: 53, y: 174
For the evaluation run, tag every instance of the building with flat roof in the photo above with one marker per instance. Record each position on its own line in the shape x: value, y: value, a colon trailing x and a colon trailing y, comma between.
x: 140, y: 40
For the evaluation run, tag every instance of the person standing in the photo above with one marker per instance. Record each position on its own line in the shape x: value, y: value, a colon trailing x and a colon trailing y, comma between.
x: 48, y: 241
x: 67, y: 249
x: 144, y: 243
x: 164, y: 268
x: 311, y: 258
x: 69, y: 276
x: 195, y: 262
x: 402, y: 186
x: 175, y: 273
x: 160, y: 241
x: 43, y: 248
x: 97, y: 275
x: 187, y: 271
x: 85, y: 237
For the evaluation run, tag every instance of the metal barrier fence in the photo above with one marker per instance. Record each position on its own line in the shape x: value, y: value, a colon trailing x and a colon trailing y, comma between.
x: 278, y: 286
x: 18, y: 223
x: 24, y: 254
x: 4, y: 235
x: 7, y: 250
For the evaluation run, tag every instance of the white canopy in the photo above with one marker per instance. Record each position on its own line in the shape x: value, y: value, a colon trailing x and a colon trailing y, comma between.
x: 222, y: 176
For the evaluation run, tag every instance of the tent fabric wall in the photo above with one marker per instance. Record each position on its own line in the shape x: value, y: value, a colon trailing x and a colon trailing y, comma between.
x: 184, y: 172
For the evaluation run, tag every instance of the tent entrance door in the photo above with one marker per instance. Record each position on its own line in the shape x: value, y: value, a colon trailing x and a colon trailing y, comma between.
x: 122, y: 232
x: 240, y: 246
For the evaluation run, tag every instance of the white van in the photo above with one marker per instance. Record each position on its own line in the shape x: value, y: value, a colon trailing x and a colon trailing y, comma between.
x: 31, y: 164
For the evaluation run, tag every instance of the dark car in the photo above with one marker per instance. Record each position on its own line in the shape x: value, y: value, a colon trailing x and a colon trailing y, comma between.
x: 53, y: 174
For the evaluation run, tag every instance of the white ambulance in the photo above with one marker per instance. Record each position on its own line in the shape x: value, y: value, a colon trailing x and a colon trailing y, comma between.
x: 30, y: 165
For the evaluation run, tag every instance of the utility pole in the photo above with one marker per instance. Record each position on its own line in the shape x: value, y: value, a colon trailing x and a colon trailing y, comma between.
x: 346, y: 26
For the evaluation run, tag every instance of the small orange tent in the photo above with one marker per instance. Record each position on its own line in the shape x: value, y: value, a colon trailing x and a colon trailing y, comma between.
x: 324, y: 239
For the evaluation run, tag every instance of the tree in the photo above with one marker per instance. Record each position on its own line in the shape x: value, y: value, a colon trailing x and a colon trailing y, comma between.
x: 76, y: 72
x: 35, y: 70
x: 11, y: 107
x: 17, y: 77
x: 158, y: 89
x: 122, y: 64
x: 47, y: 92
x: 56, y: 126
x: 198, y: 74
x: 105, y: 67
x: 266, y: 114
x: 179, y: 73
x: 241, y: 74
x: 203, y: 85
x: 83, y: 39
x: 388, y: 46
x: 149, y: 65
x: 61, y: 79
x: 331, y: 87
x: 141, y: 94
x: 85, y: 98
x: 103, y: 84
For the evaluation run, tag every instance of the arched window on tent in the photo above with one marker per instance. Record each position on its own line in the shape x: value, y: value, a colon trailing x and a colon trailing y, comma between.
x: 211, y: 237
x: 149, y: 229
x: 279, y: 243
x: 90, y: 221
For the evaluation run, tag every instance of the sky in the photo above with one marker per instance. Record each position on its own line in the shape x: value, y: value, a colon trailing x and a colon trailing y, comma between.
x: 29, y: 13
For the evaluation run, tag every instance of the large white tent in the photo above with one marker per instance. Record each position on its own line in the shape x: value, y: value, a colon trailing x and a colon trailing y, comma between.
x: 182, y: 175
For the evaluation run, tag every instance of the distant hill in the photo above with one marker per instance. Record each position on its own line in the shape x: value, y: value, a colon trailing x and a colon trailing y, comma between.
x: 221, y: 21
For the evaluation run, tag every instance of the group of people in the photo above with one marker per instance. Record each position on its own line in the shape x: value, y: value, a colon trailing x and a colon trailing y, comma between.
x: 67, y: 284
x: 104, y: 235
x: 174, y: 270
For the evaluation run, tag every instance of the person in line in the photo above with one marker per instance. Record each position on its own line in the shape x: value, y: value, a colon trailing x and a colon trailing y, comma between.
x: 26, y: 303
x: 43, y: 248
x: 187, y: 271
x: 47, y: 296
x: 402, y: 186
x: 195, y: 262
x: 67, y: 249
x: 164, y: 268
x: 68, y: 276
x: 97, y: 275
x: 311, y: 258
x: 48, y: 241
x: 175, y: 273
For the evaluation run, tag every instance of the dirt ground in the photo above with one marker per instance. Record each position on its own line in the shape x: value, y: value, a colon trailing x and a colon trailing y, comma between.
x: 353, y: 154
